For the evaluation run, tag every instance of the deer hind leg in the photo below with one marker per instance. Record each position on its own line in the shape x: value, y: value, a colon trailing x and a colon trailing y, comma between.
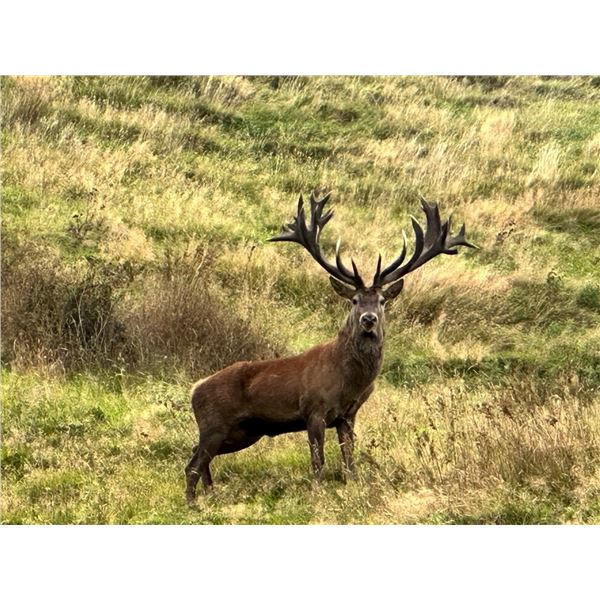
x: 189, y: 467
x: 199, y: 465
x: 192, y: 475
x: 316, y: 441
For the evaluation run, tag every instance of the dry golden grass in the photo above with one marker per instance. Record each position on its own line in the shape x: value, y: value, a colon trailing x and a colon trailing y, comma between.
x: 547, y: 166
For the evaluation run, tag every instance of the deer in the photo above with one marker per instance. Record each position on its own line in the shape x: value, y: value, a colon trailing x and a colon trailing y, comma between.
x: 325, y: 386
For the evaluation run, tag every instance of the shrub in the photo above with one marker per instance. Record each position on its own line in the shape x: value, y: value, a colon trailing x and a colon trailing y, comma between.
x: 181, y: 320
x: 104, y: 314
x: 58, y: 313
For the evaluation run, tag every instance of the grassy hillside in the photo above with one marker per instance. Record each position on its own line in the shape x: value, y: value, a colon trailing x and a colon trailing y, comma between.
x: 134, y: 214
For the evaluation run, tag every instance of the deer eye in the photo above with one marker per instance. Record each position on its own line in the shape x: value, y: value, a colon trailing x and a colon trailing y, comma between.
x: 382, y: 301
x: 354, y: 301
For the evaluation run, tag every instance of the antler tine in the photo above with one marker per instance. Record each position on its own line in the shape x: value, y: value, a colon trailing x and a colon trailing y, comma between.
x: 432, y: 213
x: 378, y: 270
x: 391, y: 273
x: 298, y: 231
x: 459, y: 240
x: 354, y: 275
x: 317, y: 219
x: 436, y: 240
x: 380, y: 276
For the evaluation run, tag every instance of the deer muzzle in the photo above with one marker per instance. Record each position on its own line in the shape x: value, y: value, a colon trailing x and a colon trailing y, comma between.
x: 368, y: 321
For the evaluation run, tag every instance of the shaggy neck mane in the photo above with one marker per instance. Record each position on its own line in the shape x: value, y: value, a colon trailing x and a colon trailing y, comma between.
x: 362, y: 354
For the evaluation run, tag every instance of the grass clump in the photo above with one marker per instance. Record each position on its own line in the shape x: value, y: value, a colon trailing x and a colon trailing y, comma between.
x: 589, y: 296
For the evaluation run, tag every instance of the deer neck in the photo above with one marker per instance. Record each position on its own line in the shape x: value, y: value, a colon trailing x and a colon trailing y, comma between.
x: 360, y: 356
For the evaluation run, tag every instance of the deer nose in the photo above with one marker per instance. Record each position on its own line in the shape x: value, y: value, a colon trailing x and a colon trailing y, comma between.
x: 368, y: 320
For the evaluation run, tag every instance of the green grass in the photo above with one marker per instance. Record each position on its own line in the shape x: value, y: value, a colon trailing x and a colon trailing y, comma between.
x: 132, y: 204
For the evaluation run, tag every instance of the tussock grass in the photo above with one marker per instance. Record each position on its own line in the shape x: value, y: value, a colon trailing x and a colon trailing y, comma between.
x: 26, y: 100
x: 134, y: 211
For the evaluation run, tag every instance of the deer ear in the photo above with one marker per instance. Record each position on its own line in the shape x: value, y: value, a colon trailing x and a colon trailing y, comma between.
x: 342, y: 290
x: 393, y: 290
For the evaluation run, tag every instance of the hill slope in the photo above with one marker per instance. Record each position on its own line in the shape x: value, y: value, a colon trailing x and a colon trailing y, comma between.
x: 133, y: 262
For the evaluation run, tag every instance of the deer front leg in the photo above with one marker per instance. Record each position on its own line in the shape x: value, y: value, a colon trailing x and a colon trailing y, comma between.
x: 345, y: 431
x: 316, y: 441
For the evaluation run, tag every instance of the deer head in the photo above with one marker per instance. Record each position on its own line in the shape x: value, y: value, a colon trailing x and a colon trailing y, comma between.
x: 368, y: 302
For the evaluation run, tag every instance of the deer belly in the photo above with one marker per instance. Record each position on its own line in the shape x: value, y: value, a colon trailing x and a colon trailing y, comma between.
x: 257, y: 426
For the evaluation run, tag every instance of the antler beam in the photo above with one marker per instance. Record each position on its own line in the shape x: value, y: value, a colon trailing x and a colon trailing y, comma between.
x: 298, y: 231
x: 436, y: 240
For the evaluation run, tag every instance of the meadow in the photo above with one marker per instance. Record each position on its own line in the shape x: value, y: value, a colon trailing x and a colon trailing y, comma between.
x: 134, y: 217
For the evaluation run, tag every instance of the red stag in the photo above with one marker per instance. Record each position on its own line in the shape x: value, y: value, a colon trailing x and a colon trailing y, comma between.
x: 326, y: 385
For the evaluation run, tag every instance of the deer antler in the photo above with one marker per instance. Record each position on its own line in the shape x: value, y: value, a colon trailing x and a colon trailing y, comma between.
x: 298, y: 231
x: 437, y: 239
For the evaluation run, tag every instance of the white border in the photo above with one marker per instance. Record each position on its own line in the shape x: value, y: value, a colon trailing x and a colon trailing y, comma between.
x: 311, y: 37
x: 299, y: 561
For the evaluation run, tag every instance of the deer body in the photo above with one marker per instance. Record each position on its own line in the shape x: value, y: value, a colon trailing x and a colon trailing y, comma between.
x: 321, y: 388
